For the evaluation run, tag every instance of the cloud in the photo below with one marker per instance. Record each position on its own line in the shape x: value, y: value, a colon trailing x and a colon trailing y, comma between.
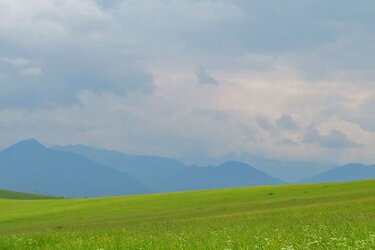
x: 211, y: 113
x: 67, y: 45
x: 287, y: 141
x: 19, y: 62
x: 366, y: 116
x: 119, y: 74
x: 204, y: 78
x: 32, y: 71
x: 335, y: 139
x: 264, y: 123
x: 287, y: 122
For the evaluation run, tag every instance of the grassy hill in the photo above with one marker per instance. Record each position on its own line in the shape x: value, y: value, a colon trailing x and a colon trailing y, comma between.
x: 5, y: 194
x: 314, y: 216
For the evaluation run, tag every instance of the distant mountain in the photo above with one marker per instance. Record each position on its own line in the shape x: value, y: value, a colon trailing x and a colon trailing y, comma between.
x: 166, y: 175
x: 28, y: 166
x: 288, y: 170
x: 156, y: 172
x: 228, y: 174
x: 350, y: 172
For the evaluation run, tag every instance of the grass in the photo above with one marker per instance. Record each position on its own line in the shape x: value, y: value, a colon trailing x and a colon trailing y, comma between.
x: 6, y: 194
x: 319, y: 216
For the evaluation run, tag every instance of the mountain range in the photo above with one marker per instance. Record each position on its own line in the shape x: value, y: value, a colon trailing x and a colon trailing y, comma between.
x: 350, y: 172
x: 28, y: 166
x: 166, y: 175
x: 81, y: 171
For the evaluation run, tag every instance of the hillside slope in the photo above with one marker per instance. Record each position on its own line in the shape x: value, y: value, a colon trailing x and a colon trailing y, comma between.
x: 11, y: 195
x: 318, y: 216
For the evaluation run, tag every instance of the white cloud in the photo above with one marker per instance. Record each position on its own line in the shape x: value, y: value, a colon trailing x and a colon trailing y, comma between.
x: 19, y: 62
x: 32, y: 71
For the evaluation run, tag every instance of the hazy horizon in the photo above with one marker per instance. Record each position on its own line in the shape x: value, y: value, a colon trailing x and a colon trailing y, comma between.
x: 288, y: 171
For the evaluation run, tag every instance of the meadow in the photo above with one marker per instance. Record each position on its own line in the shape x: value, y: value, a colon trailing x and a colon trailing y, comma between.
x: 309, y: 216
x: 6, y: 194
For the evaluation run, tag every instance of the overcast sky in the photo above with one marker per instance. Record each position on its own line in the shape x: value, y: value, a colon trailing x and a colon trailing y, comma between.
x: 196, y: 80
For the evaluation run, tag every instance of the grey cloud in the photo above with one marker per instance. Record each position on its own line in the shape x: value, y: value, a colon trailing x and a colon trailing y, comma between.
x: 249, y: 133
x: 287, y: 122
x: 287, y: 142
x: 107, y: 45
x: 264, y: 123
x: 296, y: 24
x: 18, y: 62
x: 60, y: 81
x: 55, y: 51
x: 369, y: 105
x: 335, y: 139
x: 108, y: 3
x: 319, y: 39
x: 64, y: 73
x: 50, y: 59
x: 213, y: 114
x: 205, y: 78
x: 32, y: 71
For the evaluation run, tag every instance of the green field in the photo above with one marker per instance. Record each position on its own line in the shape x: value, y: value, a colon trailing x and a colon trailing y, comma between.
x: 6, y: 194
x: 322, y: 216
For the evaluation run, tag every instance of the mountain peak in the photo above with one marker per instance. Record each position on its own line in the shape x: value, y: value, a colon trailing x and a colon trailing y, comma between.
x: 354, y: 165
x: 30, y: 140
x: 29, y: 144
x: 349, y: 172
x: 234, y: 164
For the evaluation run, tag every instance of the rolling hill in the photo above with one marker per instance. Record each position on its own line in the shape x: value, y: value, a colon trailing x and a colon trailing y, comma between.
x: 167, y: 175
x: 6, y: 194
x: 350, y: 172
x: 28, y: 166
x: 308, y: 216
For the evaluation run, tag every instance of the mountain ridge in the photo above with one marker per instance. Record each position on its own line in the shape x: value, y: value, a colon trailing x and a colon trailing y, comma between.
x: 348, y: 172
x: 82, y: 171
x: 165, y: 175
x: 29, y: 166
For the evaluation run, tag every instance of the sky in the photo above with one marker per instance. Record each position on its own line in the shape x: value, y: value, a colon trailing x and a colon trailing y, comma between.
x: 194, y: 80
